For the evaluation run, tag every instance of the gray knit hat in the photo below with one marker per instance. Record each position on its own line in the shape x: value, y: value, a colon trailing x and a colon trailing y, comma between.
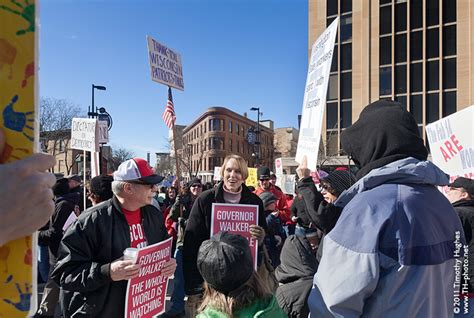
x: 267, y: 198
x: 339, y: 180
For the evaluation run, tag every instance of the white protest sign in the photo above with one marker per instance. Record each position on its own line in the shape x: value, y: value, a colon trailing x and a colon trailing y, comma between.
x: 451, y: 143
x: 165, y: 64
x: 314, y: 101
x: 217, y: 174
x: 103, y: 132
x: 287, y: 183
x: 278, y: 166
x: 84, y: 134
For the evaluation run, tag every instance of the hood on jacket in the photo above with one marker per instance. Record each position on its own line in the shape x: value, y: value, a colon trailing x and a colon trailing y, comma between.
x: 404, y: 171
x: 385, y: 132
x: 297, y: 260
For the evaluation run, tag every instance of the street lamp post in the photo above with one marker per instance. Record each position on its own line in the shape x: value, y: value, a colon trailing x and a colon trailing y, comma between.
x: 92, y: 113
x: 257, y: 109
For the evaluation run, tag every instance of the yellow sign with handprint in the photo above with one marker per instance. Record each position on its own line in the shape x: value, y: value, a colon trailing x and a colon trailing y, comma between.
x: 18, y: 121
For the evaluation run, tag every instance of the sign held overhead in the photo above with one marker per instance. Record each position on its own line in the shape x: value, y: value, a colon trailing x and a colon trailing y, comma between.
x: 84, y: 134
x: 165, y: 64
x: 314, y: 101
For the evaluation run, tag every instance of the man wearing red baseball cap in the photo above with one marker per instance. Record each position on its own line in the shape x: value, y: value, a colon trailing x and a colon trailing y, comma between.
x: 90, y: 260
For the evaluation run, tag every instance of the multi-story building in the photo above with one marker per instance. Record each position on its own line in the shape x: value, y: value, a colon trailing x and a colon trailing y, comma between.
x: 217, y: 133
x: 418, y: 52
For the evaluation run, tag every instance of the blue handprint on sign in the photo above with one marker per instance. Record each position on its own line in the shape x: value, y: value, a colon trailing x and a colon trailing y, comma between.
x: 18, y: 121
x: 24, y: 303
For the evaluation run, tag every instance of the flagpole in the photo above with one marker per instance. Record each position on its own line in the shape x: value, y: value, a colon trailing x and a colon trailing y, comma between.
x: 174, y: 140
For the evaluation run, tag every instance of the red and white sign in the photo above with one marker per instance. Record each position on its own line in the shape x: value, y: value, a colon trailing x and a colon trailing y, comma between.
x: 146, y: 293
x: 236, y: 219
x: 452, y: 144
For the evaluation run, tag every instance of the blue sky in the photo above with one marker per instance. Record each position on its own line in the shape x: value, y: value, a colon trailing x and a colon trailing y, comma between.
x: 236, y: 53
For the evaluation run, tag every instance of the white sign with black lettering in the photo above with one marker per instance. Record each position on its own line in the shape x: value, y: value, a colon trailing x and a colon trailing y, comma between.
x: 84, y: 134
x: 165, y: 64
x: 314, y: 101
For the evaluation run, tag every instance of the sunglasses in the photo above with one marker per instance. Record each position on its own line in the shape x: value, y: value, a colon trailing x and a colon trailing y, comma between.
x: 145, y: 184
x: 196, y: 185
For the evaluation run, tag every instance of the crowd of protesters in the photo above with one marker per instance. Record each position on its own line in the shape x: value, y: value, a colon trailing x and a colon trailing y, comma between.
x: 379, y: 243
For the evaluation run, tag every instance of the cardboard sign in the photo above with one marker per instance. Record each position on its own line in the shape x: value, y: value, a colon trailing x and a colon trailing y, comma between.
x: 217, y: 174
x: 236, y: 219
x: 84, y: 134
x: 452, y: 144
x: 19, y: 118
x: 314, y: 101
x: 165, y: 64
x: 146, y: 293
x: 252, y: 178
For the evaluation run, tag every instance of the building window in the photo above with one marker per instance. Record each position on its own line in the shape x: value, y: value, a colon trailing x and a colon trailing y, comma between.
x: 416, y: 43
x: 449, y: 11
x: 449, y: 73
x: 346, y: 57
x: 385, y: 20
x: 401, y: 48
x: 346, y: 85
x: 432, y: 107
x: 401, y: 79
x: 401, y: 16
x: 416, y: 77
x: 449, y: 40
x: 449, y: 103
x: 432, y: 43
x: 331, y: 116
x: 432, y: 75
x: 230, y: 145
x: 416, y: 107
x: 432, y: 12
x: 230, y: 126
x: 385, y: 81
x: 237, y: 129
x: 385, y: 50
x: 416, y: 17
x: 346, y: 114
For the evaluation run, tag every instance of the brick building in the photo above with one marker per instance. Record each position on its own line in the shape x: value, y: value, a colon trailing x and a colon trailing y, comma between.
x: 217, y: 133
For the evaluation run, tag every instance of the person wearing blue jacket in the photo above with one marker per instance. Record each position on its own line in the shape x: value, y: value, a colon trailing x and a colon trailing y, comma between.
x: 392, y: 251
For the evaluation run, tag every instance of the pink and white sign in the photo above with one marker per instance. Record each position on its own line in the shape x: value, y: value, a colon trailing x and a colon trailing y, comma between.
x: 236, y: 219
x: 146, y: 293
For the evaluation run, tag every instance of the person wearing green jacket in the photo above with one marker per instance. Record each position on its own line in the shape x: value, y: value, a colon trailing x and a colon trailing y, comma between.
x: 232, y: 288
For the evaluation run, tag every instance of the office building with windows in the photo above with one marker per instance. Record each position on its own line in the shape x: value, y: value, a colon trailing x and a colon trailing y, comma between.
x: 417, y: 52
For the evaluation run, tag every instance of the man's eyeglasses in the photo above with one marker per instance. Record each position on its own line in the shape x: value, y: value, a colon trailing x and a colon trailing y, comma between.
x: 145, y: 184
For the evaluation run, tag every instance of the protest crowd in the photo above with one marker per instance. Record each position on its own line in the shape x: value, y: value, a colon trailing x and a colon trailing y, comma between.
x: 376, y: 239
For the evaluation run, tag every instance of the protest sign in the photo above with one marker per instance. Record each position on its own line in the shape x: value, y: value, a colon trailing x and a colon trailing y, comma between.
x: 103, y: 132
x: 165, y: 64
x: 146, y: 293
x: 252, y: 178
x: 451, y: 143
x: 287, y: 183
x: 217, y: 174
x: 314, y: 101
x: 278, y: 166
x: 236, y: 219
x: 19, y: 120
x: 84, y: 134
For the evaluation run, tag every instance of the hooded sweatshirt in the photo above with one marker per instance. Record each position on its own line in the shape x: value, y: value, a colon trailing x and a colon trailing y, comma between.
x: 391, y: 253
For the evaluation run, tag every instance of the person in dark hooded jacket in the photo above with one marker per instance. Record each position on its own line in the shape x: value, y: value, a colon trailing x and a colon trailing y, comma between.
x: 391, y: 253
x: 295, y: 274
x: 51, y: 236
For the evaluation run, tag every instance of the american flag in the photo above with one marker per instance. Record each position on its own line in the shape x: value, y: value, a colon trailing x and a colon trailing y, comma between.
x: 168, y: 115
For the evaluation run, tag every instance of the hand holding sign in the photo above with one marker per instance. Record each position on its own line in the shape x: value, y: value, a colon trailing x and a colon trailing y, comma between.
x: 27, y: 196
x: 257, y: 233
x: 123, y: 270
x: 169, y: 268
x: 302, y: 170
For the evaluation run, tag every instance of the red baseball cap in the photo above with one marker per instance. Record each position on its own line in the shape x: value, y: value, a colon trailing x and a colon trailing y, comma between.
x: 137, y: 169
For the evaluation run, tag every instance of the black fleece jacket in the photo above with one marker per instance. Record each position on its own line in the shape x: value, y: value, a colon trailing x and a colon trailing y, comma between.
x: 96, y: 239
x: 295, y: 275
x: 198, y: 230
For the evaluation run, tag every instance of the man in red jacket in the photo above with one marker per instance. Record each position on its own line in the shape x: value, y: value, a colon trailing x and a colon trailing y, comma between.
x: 264, y: 185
